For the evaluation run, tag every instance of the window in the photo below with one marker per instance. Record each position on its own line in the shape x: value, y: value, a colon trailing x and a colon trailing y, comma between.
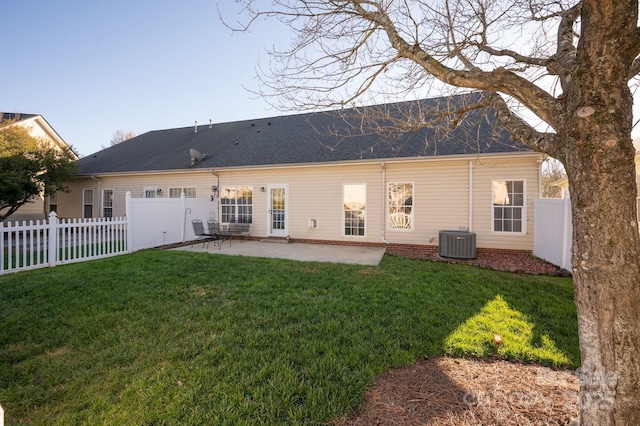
x: 400, y: 204
x: 87, y: 203
x: 53, y: 203
x: 508, y: 205
x: 107, y: 203
x: 150, y: 192
x: 236, y: 204
x: 354, y: 205
x: 188, y: 192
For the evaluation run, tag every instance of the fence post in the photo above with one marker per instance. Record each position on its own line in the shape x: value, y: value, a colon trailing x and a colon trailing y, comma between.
x: 183, y: 202
x: 52, y: 232
x: 129, y: 216
x: 1, y: 252
x: 566, y: 238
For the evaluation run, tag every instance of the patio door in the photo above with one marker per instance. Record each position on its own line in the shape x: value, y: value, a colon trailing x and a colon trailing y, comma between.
x: 278, y: 211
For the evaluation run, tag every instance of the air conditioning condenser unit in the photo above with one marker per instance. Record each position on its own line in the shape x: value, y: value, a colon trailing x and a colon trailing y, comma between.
x: 457, y: 244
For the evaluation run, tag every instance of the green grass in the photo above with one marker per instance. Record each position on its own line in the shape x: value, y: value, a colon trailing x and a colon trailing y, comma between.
x: 169, y: 337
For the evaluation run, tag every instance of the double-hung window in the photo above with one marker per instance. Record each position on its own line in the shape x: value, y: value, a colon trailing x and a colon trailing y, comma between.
x: 87, y: 203
x: 107, y: 203
x: 400, y: 205
x: 508, y: 206
x: 53, y: 203
x: 236, y: 204
x: 354, y: 202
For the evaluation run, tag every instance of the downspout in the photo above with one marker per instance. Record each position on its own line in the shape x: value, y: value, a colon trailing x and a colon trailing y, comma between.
x: 470, y: 226
x: 384, y: 200
x: 99, y: 195
x: 540, y: 161
x: 217, y: 192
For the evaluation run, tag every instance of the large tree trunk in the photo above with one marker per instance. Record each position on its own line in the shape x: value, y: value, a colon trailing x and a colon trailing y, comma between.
x: 606, y: 271
x: 599, y: 158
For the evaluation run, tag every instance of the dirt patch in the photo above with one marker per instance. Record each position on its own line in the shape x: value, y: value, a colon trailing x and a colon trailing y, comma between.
x: 461, y: 392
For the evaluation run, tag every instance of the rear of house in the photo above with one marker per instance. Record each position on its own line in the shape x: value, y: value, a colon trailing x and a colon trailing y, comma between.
x: 290, y: 177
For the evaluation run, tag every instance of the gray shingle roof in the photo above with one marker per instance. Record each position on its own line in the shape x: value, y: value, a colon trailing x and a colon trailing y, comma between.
x: 17, y: 116
x: 324, y: 137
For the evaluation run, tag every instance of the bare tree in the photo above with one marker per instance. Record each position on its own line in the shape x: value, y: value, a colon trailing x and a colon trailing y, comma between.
x: 121, y: 136
x: 570, y: 63
x: 552, y: 171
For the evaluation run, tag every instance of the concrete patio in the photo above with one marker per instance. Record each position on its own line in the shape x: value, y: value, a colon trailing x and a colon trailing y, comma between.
x: 358, y: 255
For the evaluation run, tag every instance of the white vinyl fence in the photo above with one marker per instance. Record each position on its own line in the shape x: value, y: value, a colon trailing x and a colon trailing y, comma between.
x: 160, y: 221
x: 553, y: 231
x: 49, y: 243
x: 148, y: 223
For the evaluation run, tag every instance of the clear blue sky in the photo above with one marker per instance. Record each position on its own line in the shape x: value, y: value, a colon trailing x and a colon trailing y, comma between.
x: 94, y: 67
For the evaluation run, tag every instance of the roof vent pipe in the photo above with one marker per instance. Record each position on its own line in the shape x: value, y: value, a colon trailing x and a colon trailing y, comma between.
x: 195, y: 129
x: 210, y: 125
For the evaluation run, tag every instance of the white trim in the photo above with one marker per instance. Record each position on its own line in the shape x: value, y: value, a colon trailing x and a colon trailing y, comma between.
x: 523, y: 219
x: 281, y: 232
x: 104, y: 206
x: 342, y: 210
x: 84, y: 202
x: 413, y: 205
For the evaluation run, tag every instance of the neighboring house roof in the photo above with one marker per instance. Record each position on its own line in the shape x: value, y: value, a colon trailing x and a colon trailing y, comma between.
x: 16, y: 116
x: 322, y: 137
x: 26, y: 120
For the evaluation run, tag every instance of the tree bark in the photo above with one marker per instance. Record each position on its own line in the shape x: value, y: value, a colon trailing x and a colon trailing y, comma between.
x: 606, y: 271
x: 598, y: 155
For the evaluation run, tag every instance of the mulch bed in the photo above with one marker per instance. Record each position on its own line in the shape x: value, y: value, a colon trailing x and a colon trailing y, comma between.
x: 499, y: 261
x: 462, y: 392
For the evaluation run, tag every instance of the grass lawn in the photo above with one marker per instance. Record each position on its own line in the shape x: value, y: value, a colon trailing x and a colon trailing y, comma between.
x: 170, y: 337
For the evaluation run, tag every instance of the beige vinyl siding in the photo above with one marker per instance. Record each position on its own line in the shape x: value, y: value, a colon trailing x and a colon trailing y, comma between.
x: 313, y: 193
x: 484, y: 173
x: 70, y: 204
x: 441, y: 197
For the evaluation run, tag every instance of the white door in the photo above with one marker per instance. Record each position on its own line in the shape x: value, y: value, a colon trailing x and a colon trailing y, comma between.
x: 278, y: 211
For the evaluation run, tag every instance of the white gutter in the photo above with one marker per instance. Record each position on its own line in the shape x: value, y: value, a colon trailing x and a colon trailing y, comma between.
x: 540, y: 161
x: 461, y: 157
x: 470, y: 227
x: 384, y: 207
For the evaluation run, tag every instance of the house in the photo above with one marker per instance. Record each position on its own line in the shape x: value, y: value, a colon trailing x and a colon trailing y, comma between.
x: 385, y: 174
x: 40, y: 129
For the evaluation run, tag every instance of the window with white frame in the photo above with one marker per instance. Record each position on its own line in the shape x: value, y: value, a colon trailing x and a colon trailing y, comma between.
x: 150, y: 192
x: 188, y: 192
x: 53, y: 203
x: 107, y: 203
x: 87, y: 203
x: 236, y: 204
x: 354, y: 202
x: 508, y: 198
x: 400, y: 205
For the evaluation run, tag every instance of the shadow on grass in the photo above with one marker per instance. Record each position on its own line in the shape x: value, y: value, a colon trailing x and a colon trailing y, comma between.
x: 176, y: 337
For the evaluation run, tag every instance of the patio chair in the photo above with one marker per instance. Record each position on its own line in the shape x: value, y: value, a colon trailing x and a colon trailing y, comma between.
x: 213, y: 233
